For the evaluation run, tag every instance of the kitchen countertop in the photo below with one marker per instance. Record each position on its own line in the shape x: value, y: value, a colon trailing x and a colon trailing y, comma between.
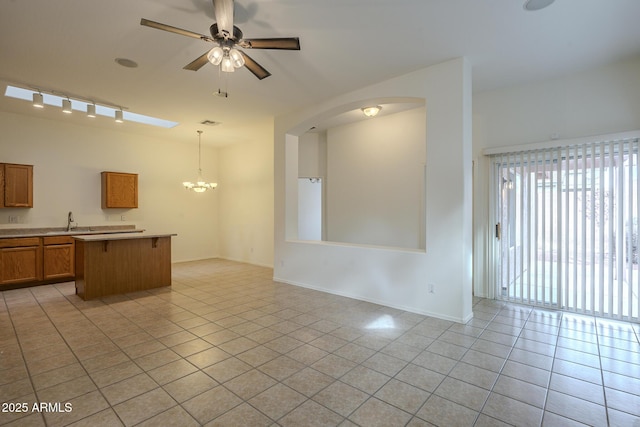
x: 120, y: 236
x: 10, y: 233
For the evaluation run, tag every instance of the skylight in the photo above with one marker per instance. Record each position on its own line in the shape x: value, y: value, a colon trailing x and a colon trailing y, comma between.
x: 78, y: 105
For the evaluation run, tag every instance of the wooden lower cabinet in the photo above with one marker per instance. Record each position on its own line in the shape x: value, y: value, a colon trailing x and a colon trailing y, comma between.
x: 118, y: 266
x: 34, y: 260
x: 58, y: 258
x: 20, y: 260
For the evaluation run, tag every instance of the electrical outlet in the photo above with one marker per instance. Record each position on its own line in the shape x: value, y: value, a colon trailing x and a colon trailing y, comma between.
x: 123, y: 218
x: 13, y: 219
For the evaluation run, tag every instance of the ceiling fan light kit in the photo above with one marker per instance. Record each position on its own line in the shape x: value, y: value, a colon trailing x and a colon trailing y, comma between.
x: 227, y: 37
x: 215, y: 55
x: 236, y: 58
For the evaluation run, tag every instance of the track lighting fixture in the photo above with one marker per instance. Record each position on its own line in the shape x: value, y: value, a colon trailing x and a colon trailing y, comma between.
x: 38, y: 100
x: 93, y: 109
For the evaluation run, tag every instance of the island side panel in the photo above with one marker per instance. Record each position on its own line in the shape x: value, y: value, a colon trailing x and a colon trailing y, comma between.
x: 79, y: 265
x: 114, y: 267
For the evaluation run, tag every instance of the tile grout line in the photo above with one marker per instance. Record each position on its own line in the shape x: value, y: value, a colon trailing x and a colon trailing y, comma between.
x: 76, y: 357
x: 604, y: 390
x: 26, y: 366
x: 506, y: 359
x: 555, y: 351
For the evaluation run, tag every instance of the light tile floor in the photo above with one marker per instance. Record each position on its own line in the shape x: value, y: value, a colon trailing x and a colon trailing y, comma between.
x: 227, y: 346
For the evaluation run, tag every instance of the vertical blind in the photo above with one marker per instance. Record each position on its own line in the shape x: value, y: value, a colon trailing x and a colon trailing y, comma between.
x: 567, y: 227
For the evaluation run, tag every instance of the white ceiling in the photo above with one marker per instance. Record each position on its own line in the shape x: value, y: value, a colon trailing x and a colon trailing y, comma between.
x: 70, y: 46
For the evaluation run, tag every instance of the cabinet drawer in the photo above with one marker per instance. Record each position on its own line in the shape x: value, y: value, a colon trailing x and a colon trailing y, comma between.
x: 57, y: 240
x: 19, y: 242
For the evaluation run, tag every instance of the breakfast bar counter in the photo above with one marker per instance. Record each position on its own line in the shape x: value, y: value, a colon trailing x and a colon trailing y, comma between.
x: 118, y: 263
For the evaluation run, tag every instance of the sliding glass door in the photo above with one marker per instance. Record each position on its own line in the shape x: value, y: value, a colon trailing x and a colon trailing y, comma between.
x: 567, y: 228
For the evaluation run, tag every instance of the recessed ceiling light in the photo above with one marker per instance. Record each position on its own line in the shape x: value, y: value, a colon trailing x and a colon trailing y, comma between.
x: 371, y: 111
x: 126, y: 62
x: 533, y: 5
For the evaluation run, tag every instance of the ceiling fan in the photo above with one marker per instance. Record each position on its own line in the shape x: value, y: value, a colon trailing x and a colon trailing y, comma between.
x: 226, y: 38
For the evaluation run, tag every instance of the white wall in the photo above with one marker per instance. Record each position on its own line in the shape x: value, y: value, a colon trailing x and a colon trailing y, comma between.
x: 68, y: 159
x: 246, y: 199
x: 597, y: 101
x: 593, y: 102
x: 393, y: 277
x: 310, y: 209
x: 375, y: 181
x: 312, y: 155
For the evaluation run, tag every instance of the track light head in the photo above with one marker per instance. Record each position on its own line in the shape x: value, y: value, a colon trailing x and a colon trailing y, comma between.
x: 38, y: 100
x: 66, y: 106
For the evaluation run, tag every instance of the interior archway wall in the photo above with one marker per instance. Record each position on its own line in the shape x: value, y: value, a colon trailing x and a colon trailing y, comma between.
x: 436, y: 281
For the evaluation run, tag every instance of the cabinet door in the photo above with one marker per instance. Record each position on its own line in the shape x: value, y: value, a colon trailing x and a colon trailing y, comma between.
x: 18, y: 265
x: 17, y: 183
x: 58, y: 261
x: 119, y: 190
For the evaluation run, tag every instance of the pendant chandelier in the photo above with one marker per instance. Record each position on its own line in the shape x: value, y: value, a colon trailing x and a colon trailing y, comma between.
x: 200, y: 186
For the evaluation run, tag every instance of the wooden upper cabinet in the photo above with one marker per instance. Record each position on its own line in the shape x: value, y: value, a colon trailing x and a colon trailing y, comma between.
x: 119, y: 190
x: 16, y: 184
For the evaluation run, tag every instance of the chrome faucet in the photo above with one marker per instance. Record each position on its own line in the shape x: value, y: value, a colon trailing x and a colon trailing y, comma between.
x: 69, y: 221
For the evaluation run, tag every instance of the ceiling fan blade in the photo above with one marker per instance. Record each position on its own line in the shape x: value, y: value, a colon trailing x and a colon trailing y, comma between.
x: 171, y: 29
x: 197, y: 63
x: 258, y: 70
x: 224, y: 16
x: 288, y: 43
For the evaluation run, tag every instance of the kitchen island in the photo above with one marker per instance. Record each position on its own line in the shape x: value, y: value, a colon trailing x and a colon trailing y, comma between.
x: 118, y: 263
